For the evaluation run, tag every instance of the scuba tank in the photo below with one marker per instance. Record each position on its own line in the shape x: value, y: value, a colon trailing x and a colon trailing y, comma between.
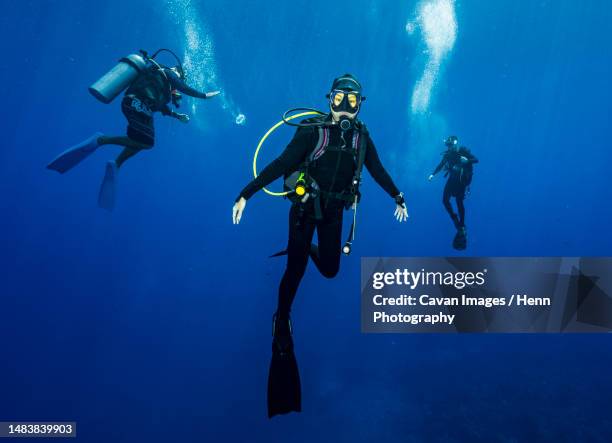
x: 111, y: 84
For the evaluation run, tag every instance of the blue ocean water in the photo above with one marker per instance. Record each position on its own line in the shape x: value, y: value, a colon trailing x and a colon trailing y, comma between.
x: 152, y: 323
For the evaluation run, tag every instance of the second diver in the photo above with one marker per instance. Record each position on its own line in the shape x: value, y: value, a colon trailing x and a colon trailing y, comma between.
x: 151, y: 87
x: 326, y: 155
x: 458, y: 163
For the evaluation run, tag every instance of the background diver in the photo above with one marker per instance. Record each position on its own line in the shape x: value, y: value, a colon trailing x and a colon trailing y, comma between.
x: 326, y: 152
x: 151, y: 87
x: 458, y: 164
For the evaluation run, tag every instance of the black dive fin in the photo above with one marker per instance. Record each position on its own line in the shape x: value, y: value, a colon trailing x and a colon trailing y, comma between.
x: 314, y: 250
x: 279, y: 254
x: 460, y: 240
x: 284, y: 387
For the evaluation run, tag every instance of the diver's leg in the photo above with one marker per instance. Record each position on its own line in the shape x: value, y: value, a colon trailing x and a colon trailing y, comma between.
x: 140, y: 129
x: 300, y: 238
x: 460, y: 241
x: 446, y: 196
x: 124, y: 155
x: 461, y: 209
x: 326, y: 256
x: 123, y: 140
x: 284, y: 385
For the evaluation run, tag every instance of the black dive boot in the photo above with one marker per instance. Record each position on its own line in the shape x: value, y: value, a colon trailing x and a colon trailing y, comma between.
x: 284, y: 387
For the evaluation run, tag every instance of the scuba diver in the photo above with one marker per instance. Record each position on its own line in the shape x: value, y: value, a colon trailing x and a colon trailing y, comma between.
x: 322, y: 166
x: 151, y: 87
x: 458, y: 164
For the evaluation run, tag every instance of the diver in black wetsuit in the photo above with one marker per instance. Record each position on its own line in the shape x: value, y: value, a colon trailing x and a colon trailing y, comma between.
x: 458, y: 164
x: 151, y: 91
x: 330, y: 154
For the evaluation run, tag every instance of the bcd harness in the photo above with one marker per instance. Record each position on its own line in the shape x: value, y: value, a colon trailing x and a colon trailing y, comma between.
x: 350, y: 196
x: 464, y: 172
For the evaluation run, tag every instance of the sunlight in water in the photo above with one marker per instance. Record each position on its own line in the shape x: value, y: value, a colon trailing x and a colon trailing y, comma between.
x: 199, y: 56
x: 438, y: 25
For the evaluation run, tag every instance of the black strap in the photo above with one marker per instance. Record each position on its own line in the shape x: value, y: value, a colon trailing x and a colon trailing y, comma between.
x: 363, y: 146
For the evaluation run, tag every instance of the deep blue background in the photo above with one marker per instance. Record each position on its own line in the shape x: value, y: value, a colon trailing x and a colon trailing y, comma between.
x: 153, y: 323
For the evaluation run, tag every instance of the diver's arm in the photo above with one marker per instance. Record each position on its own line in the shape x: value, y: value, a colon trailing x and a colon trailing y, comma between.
x: 440, y: 166
x: 181, y: 86
x: 377, y: 170
x: 165, y: 110
x: 466, y: 157
x: 290, y: 158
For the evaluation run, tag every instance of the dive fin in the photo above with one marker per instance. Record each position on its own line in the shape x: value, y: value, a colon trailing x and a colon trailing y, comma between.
x: 279, y: 254
x: 75, y: 155
x: 460, y: 240
x: 106, y: 197
x: 284, y: 386
x: 314, y: 251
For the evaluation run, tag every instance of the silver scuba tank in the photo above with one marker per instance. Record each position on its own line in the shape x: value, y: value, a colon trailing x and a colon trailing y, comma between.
x: 111, y: 84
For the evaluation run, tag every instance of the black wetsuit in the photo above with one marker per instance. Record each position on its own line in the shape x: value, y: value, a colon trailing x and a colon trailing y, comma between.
x: 333, y: 172
x: 459, y: 178
x: 150, y: 92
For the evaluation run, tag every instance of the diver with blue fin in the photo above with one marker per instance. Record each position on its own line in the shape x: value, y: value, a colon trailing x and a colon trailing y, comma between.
x: 458, y: 165
x: 322, y: 168
x: 149, y: 87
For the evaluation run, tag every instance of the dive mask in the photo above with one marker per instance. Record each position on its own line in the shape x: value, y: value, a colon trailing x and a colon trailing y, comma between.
x: 451, y: 141
x: 345, y: 101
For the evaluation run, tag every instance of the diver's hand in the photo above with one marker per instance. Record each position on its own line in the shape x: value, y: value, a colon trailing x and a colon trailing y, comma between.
x: 431, y: 177
x: 212, y: 94
x: 401, y: 212
x: 183, y: 118
x: 238, y: 210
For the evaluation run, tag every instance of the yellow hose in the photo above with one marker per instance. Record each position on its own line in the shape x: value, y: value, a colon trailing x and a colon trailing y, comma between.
x: 263, y: 139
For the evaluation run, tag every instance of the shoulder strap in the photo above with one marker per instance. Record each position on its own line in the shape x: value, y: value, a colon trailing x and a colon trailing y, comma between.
x: 362, y: 146
x: 321, y: 145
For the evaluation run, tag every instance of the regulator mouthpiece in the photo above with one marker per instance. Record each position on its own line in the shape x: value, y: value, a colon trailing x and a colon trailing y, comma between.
x: 345, y: 124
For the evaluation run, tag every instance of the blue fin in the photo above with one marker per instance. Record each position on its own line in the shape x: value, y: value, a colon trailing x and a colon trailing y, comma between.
x: 106, y: 197
x: 75, y: 155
